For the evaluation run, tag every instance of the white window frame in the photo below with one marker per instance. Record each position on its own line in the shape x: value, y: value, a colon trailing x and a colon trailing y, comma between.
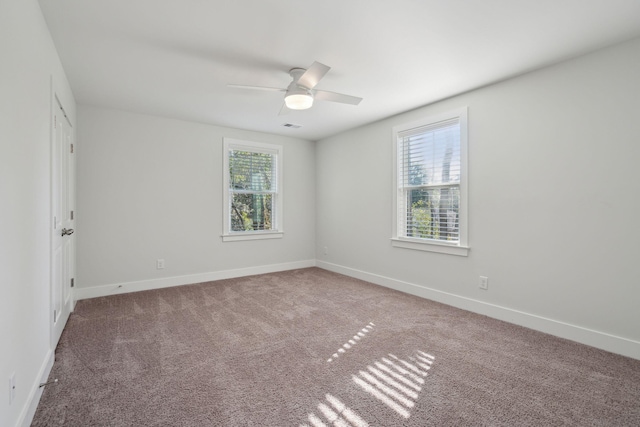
x: 277, y: 230
x: 398, y: 240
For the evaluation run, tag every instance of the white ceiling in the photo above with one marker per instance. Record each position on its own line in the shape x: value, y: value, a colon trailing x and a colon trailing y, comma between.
x: 174, y: 58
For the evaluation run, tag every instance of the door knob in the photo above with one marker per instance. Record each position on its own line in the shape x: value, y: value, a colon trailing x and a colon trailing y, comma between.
x: 67, y: 231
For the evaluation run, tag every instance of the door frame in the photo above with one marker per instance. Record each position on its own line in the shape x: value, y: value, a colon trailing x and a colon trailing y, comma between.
x: 58, y: 113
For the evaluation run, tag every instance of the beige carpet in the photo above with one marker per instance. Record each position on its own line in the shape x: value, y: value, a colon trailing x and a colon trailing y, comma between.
x: 313, y: 348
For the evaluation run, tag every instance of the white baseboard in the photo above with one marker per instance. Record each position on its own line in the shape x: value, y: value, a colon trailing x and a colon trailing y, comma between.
x: 29, y: 410
x: 601, y: 340
x: 145, y: 285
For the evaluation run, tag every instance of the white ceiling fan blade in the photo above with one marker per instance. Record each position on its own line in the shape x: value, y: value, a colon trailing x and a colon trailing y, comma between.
x: 271, y: 89
x: 324, y: 95
x: 313, y: 75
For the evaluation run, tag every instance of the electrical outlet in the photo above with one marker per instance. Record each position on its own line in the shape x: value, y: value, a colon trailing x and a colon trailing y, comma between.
x: 484, y: 283
x: 160, y: 264
x: 326, y: 250
x: 12, y: 387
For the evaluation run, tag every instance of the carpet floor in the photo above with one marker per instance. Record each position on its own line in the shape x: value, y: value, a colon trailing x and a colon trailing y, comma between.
x: 314, y: 348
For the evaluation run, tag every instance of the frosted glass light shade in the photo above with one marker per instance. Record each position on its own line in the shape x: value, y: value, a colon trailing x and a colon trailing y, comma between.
x: 298, y: 101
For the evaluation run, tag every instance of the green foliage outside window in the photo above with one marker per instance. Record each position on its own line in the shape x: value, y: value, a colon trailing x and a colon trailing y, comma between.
x: 433, y: 213
x: 251, y: 180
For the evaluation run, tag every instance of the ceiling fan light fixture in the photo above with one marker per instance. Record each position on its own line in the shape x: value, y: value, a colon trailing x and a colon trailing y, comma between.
x: 301, y: 92
x: 299, y: 99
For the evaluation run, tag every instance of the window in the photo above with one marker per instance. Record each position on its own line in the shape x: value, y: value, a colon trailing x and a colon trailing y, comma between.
x: 252, y: 190
x: 430, y: 196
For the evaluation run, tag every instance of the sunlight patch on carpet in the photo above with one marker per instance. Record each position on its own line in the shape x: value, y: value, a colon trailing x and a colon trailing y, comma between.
x: 336, y: 414
x: 396, y: 382
x: 398, y: 376
x: 353, y: 341
x: 393, y: 381
x: 387, y: 379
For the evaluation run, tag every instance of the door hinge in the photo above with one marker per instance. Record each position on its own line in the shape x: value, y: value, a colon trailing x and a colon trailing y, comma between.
x: 71, y: 148
x: 71, y: 214
x: 54, y: 315
x: 55, y: 122
x: 72, y: 282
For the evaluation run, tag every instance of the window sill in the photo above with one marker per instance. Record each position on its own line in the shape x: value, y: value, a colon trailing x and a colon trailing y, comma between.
x: 252, y: 236
x: 442, y: 248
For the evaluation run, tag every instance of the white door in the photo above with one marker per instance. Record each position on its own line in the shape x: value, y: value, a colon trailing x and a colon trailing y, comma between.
x: 63, y: 239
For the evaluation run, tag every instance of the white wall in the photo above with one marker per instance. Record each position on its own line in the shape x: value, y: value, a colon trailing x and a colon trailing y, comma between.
x: 28, y: 63
x: 554, y: 202
x: 151, y: 188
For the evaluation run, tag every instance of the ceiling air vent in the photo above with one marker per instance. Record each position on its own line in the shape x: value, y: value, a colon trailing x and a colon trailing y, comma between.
x: 292, y: 126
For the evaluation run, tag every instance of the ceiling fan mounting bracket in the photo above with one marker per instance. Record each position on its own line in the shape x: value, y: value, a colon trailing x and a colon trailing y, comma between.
x: 296, y: 73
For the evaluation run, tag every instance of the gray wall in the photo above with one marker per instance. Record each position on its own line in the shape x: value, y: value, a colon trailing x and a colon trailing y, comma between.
x: 28, y: 66
x: 151, y: 188
x: 553, y: 202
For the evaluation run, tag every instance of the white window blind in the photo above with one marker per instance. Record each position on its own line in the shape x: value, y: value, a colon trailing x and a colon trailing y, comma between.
x: 252, y: 188
x: 430, y: 180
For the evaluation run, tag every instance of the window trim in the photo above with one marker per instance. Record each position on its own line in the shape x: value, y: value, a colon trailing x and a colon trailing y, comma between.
x: 397, y: 239
x: 277, y: 231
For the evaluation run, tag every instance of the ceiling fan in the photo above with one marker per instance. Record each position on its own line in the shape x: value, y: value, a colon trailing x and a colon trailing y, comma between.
x: 300, y: 93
